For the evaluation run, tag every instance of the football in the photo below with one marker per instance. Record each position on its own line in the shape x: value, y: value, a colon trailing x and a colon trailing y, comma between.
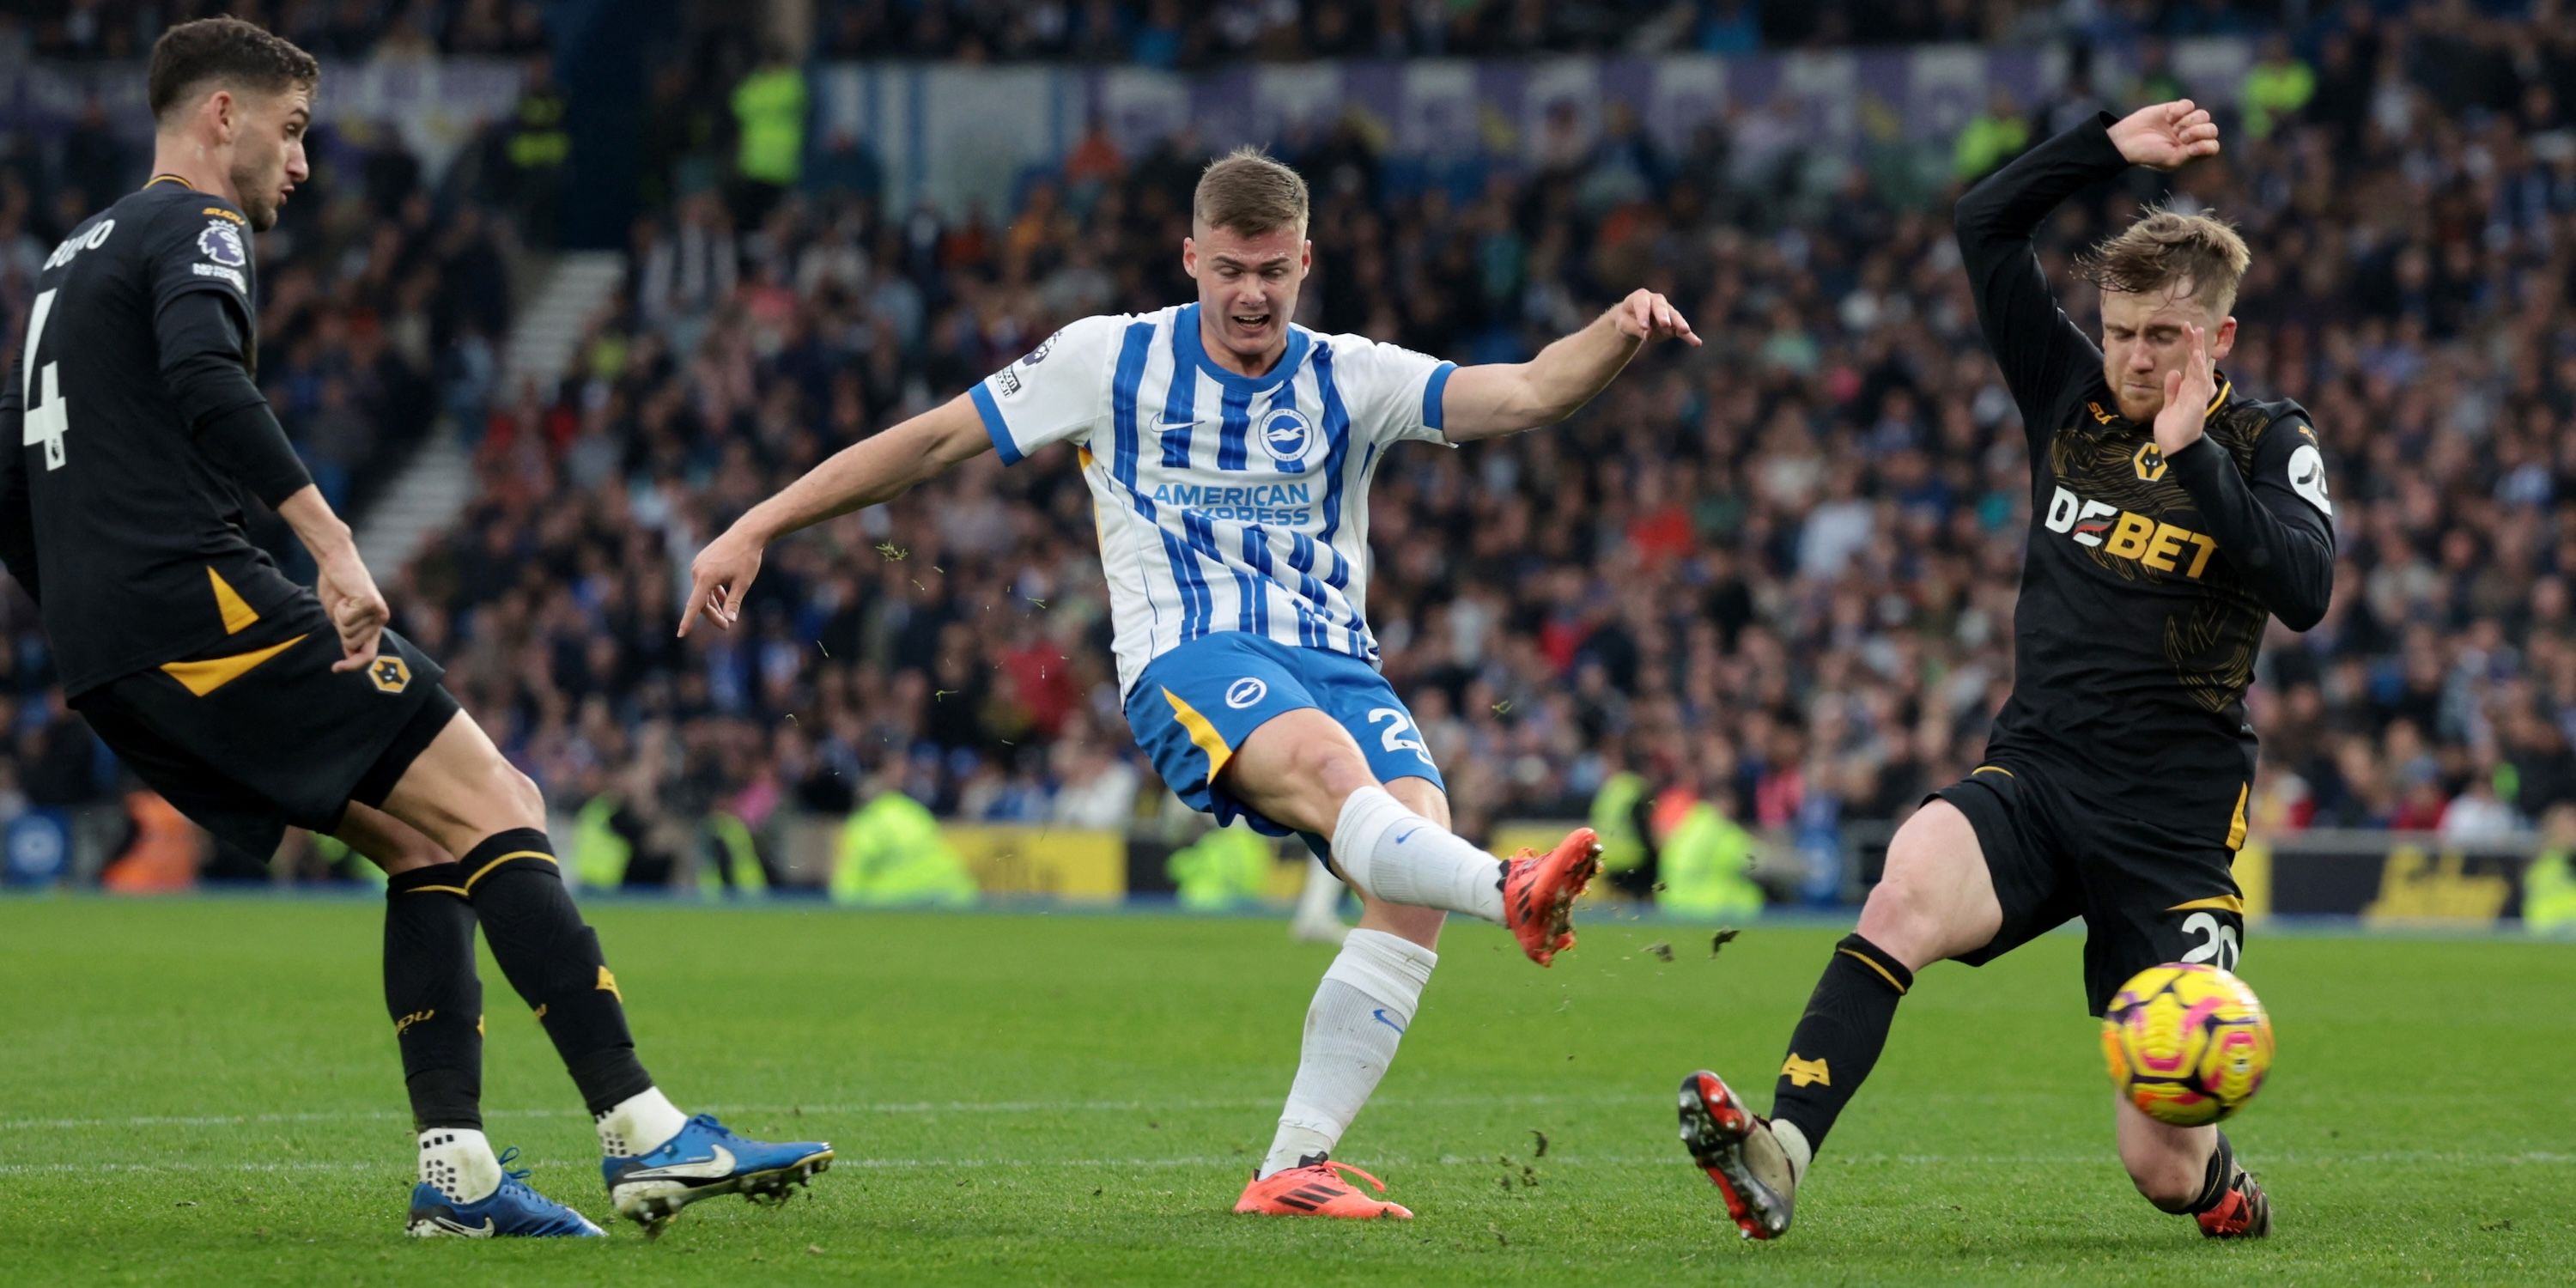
x: 2187, y: 1044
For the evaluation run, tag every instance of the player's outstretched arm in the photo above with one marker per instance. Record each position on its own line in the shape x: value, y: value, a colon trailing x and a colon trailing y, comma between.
x: 869, y: 472
x: 1511, y: 397
x: 2038, y: 349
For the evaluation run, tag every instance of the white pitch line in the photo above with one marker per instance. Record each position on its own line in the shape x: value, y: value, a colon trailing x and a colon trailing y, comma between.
x: 1531, y: 1100
x: 1672, y: 1161
x: 887, y: 1107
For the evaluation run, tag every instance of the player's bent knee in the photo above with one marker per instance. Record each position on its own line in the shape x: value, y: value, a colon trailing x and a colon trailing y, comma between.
x: 1334, y: 764
x: 1920, y: 924
x: 1900, y: 918
x: 1935, y: 899
x: 1297, y: 768
x: 386, y: 841
x: 527, y: 799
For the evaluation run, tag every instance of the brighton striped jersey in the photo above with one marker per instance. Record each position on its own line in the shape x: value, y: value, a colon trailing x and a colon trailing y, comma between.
x: 1225, y: 502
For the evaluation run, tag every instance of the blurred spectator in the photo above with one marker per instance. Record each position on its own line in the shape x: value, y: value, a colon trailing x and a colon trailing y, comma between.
x: 329, y: 28
x: 2277, y: 86
x: 538, y: 149
x: 1990, y: 139
x: 1800, y: 595
x: 769, y: 122
x: 1779, y: 570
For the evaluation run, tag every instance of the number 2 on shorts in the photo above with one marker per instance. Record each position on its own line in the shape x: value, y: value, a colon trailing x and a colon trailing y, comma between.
x: 2220, y: 947
x: 1398, y: 725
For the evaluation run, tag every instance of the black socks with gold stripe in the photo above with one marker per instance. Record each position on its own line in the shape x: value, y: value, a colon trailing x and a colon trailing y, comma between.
x: 432, y: 994
x: 1840, y: 1036
x: 552, y: 958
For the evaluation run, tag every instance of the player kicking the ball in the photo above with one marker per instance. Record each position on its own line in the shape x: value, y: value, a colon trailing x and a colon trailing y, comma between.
x: 129, y: 434
x: 2171, y: 518
x: 1229, y: 453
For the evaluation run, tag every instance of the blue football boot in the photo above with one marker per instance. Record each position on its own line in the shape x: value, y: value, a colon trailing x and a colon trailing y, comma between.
x: 512, y: 1210
x: 703, y: 1161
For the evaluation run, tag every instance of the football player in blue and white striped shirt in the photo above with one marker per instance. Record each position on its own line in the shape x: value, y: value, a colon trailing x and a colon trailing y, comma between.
x: 1229, y: 453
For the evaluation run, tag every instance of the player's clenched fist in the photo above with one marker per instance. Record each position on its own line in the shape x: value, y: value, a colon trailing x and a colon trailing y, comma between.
x: 358, y: 612
x: 1646, y: 315
x: 718, y: 579
x: 2166, y: 135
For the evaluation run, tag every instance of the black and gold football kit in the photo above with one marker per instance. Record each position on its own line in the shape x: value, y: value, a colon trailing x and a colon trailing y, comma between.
x: 211, y: 675
x: 131, y: 440
x: 2115, y: 782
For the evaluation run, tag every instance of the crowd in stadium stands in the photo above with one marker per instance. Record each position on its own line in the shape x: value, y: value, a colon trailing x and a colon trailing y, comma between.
x: 1173, y: 33
x: 1778, y: 571
x: 1179, y: 33
x: 330, y: 29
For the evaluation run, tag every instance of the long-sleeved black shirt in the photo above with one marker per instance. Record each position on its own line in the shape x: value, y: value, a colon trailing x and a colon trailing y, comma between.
x: 2147, y: 581
x: 131, y: 437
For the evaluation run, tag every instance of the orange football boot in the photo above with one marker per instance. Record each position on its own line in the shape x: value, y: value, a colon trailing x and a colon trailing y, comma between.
x: 1539, y: 893
x: 1317, y: 1189
x: 2243, y: 1213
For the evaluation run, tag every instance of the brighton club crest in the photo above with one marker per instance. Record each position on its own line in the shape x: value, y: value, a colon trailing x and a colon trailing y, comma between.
x: 1286, y: 436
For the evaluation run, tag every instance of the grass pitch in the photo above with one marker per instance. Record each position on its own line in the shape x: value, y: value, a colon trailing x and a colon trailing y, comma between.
x: 206, y: 1091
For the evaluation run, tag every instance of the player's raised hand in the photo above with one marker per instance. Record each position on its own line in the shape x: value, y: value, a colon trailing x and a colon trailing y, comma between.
x: 357, y: 609
x: 2188, y: 389
x: 718, y: 579
x: 2165, y: 135
x: 1645, y: 315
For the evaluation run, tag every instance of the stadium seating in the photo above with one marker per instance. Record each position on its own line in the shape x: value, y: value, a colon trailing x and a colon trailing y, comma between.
x: 1777, y: 572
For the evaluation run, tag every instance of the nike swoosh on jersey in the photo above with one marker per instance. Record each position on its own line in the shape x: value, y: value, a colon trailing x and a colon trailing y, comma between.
x: 716, y: 1166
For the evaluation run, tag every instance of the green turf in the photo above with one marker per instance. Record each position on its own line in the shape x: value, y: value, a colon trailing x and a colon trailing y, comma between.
x: 1076, y: 1099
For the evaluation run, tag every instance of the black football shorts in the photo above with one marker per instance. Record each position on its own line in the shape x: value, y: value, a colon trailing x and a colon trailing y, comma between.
x: 258, y: 733
x: 2061, y: 849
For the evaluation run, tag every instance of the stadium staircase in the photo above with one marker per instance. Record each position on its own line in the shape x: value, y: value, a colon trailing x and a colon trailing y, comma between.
x: 436, y: 484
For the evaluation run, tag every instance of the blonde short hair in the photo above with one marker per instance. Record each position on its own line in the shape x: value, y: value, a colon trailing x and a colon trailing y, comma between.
x: 1249, y: 192
x: 2165, y: 247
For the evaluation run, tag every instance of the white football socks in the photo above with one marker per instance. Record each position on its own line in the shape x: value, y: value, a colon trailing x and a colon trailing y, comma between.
x: 1401, y: 857
x: 458, y: 1163
x: 639, y: 1124
x: 1360, y: 1012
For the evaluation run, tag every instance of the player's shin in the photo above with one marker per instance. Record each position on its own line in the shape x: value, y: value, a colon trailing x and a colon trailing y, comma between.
x: 1401, y: 857
x: 437, y: 1009
x: 553, y: 959
x: 1836, y: 1043
x: 2215, y: 1176
x: 1359, y: 1014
